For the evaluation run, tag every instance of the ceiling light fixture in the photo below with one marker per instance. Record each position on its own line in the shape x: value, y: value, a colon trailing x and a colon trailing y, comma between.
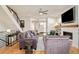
x: 41, y: 13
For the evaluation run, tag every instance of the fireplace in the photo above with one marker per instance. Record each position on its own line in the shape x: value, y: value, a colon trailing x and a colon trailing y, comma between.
x: 68, y: 34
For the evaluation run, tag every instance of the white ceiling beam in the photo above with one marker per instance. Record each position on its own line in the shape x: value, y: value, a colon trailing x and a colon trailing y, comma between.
x: 11, y: 16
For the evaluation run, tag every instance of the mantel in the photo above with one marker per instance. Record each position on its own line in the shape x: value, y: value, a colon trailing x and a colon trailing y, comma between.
x: 67, y: 25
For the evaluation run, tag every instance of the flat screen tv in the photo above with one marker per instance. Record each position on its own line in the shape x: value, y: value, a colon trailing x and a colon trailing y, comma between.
x: 68, y: 16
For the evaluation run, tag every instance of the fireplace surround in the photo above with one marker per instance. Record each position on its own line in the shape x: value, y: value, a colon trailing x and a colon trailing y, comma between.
x: 68, y: 34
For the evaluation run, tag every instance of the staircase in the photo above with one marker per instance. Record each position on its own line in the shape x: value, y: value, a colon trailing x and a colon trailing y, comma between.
x: 2, y: 40
x: 14, y: 19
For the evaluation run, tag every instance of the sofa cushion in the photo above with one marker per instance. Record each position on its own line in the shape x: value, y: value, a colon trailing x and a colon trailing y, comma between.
x: 55, y: 36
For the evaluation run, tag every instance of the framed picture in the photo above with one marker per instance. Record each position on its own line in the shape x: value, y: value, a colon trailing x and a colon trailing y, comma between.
x: 22, y: 23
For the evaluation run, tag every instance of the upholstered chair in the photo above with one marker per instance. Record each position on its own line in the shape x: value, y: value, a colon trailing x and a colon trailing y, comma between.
x: 32, y: 37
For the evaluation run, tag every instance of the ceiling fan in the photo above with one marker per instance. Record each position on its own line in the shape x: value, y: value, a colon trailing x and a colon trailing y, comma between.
x: 41, y: 11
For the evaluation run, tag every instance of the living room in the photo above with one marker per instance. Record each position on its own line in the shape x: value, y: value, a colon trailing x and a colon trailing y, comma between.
x: 43, y: 19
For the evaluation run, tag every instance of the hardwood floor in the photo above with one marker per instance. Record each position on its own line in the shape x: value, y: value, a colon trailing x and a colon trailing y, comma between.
x: 74, y: 50
x: 11, y: 50
x: 15, y: 50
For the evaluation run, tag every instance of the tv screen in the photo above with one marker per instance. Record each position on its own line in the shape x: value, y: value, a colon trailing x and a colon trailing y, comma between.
x: 67, y: 16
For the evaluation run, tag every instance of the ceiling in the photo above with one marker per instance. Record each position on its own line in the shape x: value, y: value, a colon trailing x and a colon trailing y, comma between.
x: 25, y: 11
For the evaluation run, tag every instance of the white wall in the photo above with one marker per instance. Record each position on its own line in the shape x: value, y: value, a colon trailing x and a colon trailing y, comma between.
x: 77, y: 20
x: 58, y: 19
x: 2, y: 28
x: 27, y: 24
x: 51, y: 23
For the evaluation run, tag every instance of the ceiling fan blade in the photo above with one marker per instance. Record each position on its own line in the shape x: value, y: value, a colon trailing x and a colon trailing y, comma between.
x: 42, y: 11
x: 45, y: 11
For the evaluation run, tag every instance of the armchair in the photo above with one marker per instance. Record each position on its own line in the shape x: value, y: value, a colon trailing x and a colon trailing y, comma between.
x: 27, y: 36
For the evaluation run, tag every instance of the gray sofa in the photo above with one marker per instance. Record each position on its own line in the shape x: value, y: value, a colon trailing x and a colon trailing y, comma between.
x: 57, y: 44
